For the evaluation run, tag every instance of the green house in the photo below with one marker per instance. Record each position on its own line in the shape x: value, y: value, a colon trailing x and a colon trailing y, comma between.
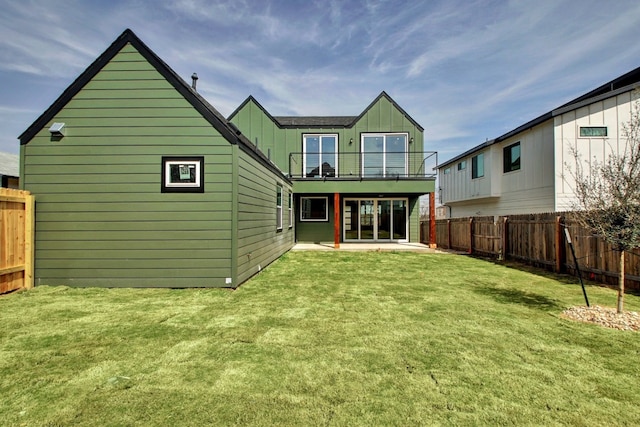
x: 141, y: 182
x: 355, y: 178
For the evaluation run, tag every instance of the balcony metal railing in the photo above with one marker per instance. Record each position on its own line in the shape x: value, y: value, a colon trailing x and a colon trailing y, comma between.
x: 367, y: 165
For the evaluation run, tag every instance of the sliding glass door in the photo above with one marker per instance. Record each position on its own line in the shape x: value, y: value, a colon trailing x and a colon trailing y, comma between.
x: 375, y: 220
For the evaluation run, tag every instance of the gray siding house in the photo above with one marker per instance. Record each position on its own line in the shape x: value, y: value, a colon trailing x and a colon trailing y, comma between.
x: 140, y: 182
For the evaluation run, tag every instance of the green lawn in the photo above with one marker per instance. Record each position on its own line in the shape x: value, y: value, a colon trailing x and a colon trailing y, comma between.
x: 321, y: 338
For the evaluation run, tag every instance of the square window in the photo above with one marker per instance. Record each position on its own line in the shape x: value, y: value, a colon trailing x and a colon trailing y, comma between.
x: 511, y: 158
x: 462, y: 165
x: 182, y: 174
x: 447, y: 171
x: 314, y: 209
x: 593, y: 131
x: 477, y: 166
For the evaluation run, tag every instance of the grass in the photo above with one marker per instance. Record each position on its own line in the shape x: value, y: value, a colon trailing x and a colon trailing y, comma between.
x: 321, y: 338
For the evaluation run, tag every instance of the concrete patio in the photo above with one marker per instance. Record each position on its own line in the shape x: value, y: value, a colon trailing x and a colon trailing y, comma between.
x: 373, y: 246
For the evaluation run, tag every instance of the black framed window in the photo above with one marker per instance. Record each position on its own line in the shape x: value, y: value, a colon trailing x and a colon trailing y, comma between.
x: 182, y: 174
x: 462, y: 165
x: 477, y: 166
x: 314, y: 209
x: 511, y: 157
x: 593, y: 131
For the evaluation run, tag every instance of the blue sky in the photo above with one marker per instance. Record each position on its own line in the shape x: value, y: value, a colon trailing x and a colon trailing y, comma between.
x: 465, y: 70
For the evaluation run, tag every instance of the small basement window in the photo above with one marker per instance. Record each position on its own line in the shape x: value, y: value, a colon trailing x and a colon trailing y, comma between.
x: 314, y: 209
x: 593, y: 131
x: 183, y: 174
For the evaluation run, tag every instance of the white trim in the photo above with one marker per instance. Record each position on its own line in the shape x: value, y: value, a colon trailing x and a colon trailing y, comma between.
x: 375, y: 219
x: 326, y: 208
x: 384, y: 136
x: 187, y: 163
x: 279, y: 207
x: 319, y: 153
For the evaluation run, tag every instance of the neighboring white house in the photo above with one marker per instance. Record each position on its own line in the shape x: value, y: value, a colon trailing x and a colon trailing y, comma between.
x: 9, y: 170
x: 525, y: 170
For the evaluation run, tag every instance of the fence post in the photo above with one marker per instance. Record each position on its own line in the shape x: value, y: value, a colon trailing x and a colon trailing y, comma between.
x: 560, y: 248
x: 432, y: 220
x: 29, y: 236
x: 505, y: 237
x: 471, y: 235
x: 448, y: 234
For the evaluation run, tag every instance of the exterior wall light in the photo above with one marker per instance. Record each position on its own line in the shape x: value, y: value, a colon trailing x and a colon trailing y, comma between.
x: 57, y: 129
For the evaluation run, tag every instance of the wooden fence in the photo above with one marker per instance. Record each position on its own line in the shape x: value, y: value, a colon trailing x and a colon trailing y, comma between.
x: 539, y: 240
x: 16, y: 239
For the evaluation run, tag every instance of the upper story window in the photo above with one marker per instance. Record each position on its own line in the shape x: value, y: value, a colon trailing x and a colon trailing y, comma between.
x: 511, y: 157
x: 593, y: 131
x: 320, y: 155
x: 384, y: 155
x: 182, y: 174
x: 477, y: 166
x: 447, y: 171
x: 462, y: 165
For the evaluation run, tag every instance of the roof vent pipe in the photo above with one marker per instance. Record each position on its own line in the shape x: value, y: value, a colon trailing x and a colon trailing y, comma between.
x: 194, y: 80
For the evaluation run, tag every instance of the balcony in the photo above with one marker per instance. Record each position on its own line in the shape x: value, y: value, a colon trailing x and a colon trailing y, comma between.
x: 394, y: 165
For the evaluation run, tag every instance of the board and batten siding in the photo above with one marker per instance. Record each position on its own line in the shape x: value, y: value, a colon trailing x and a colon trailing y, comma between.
x: 613, y: 113
x: 382, y: 117
x: 258, y: 240
x: 101, y: 218
x: 527, y: 190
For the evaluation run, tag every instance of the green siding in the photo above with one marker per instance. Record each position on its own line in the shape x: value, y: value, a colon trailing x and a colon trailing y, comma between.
x: 259, y: 243
x: 381, y: 117
x: 101, y: 219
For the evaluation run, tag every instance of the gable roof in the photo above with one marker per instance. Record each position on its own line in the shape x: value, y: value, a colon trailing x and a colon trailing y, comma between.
x: 284, y: 122
x: 625, y: 83
x: 9, y: 164
x: 217, y: 120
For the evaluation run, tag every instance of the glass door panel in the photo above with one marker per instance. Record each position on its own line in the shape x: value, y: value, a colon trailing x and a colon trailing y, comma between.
x: 399, y: 220
x: 351, y: 220
x: 367, y: 219
x: 372, y: 156
x: 384, y: 220
x: 396, y: 157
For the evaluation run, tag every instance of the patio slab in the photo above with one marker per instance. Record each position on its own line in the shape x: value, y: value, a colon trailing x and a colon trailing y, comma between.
x: 374, y: 246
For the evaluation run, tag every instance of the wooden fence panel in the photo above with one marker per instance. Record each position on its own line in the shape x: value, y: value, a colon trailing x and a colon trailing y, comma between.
x: 538, y: 239
x: 487, y: 236
x: 532, y: 239
x: 16, y: 239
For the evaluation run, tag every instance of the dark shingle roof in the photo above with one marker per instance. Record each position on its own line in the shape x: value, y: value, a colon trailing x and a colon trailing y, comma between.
x: 316, y: 121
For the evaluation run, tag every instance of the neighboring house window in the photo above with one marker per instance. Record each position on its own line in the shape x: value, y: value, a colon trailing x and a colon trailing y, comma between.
x: 290, y: 209
x: 182, y: 174
x: 384, y: 155
x: 314, y: 209
x: 511, y: 157
x: 462, y: 165
x: 593, y: 131
x: 279, y: 207
x: 447, y: 171
x: 477, y: 166
x: 320, y: 155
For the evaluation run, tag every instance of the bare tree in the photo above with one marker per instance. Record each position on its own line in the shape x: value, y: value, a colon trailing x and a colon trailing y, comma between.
x: 608, y: 195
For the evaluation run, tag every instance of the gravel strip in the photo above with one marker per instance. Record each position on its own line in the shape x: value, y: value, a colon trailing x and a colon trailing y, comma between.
x: 605, y: 316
